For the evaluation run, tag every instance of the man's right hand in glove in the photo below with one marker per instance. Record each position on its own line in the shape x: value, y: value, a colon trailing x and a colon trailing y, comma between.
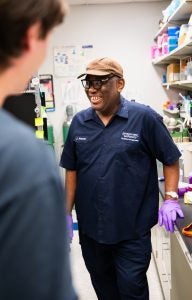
x: 168, y: 214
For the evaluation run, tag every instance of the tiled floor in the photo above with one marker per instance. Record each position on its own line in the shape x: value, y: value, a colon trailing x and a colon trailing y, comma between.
x: 82, y: 280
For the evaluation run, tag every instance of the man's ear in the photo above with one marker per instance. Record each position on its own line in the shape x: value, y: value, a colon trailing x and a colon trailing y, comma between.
x: 120, y: 84
x: 31, y: 36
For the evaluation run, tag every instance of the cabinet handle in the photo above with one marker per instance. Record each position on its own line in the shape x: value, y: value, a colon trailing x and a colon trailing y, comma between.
x: 165, y: 246
x: 164, y: 277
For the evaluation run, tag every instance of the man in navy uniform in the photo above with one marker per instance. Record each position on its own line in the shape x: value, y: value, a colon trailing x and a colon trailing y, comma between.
x: 111, y: 177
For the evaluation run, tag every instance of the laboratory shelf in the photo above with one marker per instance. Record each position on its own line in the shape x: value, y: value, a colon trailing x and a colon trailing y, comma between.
x: 180, y: 52
x: 181, y: 14
x: 182, y: 84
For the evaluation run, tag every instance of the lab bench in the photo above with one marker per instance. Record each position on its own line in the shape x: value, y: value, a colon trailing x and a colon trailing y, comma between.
x: 173, y: 255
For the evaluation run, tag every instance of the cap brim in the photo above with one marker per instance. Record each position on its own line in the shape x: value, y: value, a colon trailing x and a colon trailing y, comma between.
x: 94, y: 72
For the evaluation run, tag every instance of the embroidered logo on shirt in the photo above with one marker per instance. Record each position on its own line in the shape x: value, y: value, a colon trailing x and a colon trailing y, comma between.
x: 80, y: 138
x: 128, y: 136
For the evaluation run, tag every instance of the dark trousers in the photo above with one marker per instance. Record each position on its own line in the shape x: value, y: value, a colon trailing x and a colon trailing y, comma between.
x: 118, y: 271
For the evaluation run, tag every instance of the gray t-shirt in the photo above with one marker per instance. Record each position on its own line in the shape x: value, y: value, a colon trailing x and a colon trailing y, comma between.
x: 34, y: 250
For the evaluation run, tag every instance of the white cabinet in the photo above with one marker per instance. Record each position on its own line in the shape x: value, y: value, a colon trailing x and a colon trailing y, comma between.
x: 174, y: 264
x: 181, y: 269
x: 161, y: 253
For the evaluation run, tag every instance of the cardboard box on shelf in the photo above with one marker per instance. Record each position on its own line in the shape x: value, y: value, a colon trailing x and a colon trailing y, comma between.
x: 181, y: 39
x: 183, y: 68
x: 173, y: 72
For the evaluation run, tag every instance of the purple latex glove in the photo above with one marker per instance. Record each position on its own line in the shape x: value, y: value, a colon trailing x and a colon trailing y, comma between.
x: 70, y: 227
x: 168, y: 213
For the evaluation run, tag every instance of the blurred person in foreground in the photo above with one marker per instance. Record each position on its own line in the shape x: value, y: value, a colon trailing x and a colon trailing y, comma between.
x: 111, y: 177
x: 34, y: 250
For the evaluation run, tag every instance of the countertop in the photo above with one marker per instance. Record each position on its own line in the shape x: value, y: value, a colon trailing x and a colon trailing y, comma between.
x: 180, y: 223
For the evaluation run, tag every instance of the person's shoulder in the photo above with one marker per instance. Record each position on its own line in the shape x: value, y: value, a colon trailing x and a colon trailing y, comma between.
x: 27, y: 163
x: 83, y: 114
x: 135, y: 105
x: 139, y: 108
x: 23, y: 148
x: 21, y: 136
x: 13, y: 130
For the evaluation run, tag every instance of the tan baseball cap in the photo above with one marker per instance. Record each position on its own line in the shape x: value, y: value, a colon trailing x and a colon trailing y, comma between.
x: 103, y: 66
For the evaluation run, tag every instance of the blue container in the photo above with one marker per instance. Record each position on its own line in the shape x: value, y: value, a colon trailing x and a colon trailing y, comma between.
x: 172, y: 47
x: 173, y: 30
x: 177, y: 33
x: 172, y: 40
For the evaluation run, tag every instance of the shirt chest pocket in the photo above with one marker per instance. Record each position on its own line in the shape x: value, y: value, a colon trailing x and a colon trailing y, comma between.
x: 126, y: 152
x: 126, y: 146
x: 84, y: 151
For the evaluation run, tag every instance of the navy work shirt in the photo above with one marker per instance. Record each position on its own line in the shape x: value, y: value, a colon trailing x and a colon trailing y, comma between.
x: 117, y: 185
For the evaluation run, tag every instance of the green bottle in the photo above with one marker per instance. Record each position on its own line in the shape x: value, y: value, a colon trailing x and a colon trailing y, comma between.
x: 67, y: 122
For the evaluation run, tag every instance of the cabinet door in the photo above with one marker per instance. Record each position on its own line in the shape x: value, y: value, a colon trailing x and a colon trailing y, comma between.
x: 161, y: 253
x: 181, y: 269
x: 165, y: 254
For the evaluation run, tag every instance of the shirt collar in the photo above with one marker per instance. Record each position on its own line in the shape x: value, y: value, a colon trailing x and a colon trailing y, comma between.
x: 89, y: 114
x: 123, y: 109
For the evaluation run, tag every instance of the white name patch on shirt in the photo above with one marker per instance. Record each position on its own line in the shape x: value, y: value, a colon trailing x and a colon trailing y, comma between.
x: 128, y: 136
x: 80, y: 138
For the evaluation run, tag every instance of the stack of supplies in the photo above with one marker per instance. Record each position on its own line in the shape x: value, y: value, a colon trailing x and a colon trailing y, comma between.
x: 173, y: 35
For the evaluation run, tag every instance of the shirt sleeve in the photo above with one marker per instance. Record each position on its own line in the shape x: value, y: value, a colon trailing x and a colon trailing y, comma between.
x: 68, y: 156
x: 158, y: 139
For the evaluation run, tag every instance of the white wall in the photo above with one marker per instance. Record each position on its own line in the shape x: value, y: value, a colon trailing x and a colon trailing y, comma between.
x: 122, y: 31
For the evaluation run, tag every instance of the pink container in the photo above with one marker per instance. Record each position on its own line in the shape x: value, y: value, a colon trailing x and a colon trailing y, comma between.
x: 154, y: 52
x: 165, y: 49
